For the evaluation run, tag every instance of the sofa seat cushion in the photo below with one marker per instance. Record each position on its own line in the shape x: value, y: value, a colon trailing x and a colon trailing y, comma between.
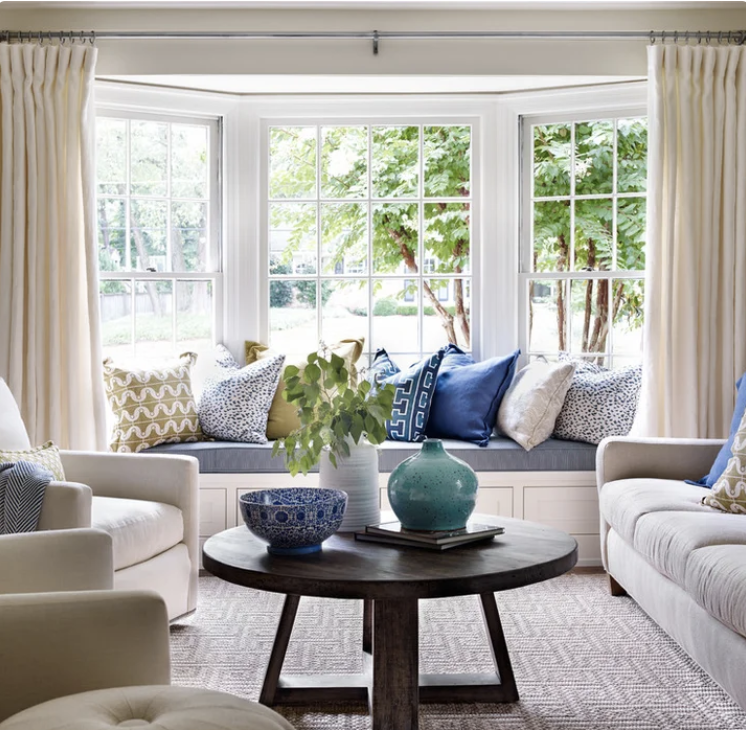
x: 716, y: 579
x: 139, y: 530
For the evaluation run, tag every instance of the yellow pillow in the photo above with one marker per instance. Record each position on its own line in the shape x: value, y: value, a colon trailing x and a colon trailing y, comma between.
x: 282, y: 415
x: 46, y: 455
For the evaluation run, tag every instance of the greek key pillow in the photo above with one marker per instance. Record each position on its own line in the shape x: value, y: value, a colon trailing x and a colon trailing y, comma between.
x: 152, y: 406
x: 599, y: 403
x: 729, y: 492
x: 46, y: 455
x: 235, y: 403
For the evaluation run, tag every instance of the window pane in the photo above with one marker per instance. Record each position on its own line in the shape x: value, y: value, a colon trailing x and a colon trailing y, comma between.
x: 344, y: 238
x: 194, y: 316
x: 116, y: 318
x: 395, y: 320
x: 189, y: 163
x: 630, y: 233
x: 292, y: 238
x: 547, y: 307
x: 447, y: 152
x: 590, y: 315
x: 551, y: 235
x: 447, y: 237
x: 443, y: 299
x: 111, y: 155
x: 552, y: 155
x: 189, y: 247
x: 396, y: 152
x: 628, y: 316
x: 154, y: 322
x: 292, y: 162
x: 149, y: 235
x: 149, y: 157
x: 292, y: 316
x: 112, y: 234
x: 344, y: 162
x: 594, y: 242
x: 344, y: 309
x: 632, y: 155
x: 594, y: 158
x: 395, y: 239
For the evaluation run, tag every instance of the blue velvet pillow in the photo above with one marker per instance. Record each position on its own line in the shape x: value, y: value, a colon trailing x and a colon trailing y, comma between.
x: 726, y: 452
x: 415, y: 387
x: 468, y: 395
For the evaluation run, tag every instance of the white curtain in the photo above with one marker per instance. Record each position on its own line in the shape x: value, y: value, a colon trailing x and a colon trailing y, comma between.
x: 49, y: 322
x: 695, y: 315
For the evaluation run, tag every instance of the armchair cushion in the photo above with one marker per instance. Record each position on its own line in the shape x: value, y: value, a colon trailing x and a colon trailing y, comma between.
x: 139, y: 530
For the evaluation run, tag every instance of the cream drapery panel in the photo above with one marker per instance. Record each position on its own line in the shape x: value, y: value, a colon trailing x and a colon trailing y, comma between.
x: 49, y: 322
x: 695, y: 312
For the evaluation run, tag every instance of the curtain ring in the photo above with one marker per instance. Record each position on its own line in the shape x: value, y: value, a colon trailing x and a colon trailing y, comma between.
x: 652, y: 37
x: 676, y: 37
x: 663, y: 37
x: 92, y: 37
x: 686, y: 38
x: 720, y: 37
x: 71, y: 39
x: 49, y: 36
x: 41, y: 40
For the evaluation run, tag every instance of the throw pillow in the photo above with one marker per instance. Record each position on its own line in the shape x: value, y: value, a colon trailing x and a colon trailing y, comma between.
x: 530, y: 408
x: 235, y: 402
x: 415, y: 388
x: 599, y: 403
x: 13, y: 433
x: 46, y: 455
x: 152, y: 406
x: 283, y: 417
x: 468, y: 395
x: 723, y: 457
x: 729, y: 492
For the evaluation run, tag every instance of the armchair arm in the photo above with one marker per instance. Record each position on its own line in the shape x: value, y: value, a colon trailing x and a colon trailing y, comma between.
x: 66, y: 505
x: 623, y: 457
x: 58, y: 560
x: 57, y: 644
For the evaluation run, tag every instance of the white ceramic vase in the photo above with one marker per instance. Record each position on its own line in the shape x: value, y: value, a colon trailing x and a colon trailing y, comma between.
x: 356, y: 474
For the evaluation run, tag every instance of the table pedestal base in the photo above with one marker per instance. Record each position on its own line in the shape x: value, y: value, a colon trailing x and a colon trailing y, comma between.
x: 392, y: 686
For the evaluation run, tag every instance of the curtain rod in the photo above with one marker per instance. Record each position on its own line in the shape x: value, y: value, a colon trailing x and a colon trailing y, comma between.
x: 737, y: 37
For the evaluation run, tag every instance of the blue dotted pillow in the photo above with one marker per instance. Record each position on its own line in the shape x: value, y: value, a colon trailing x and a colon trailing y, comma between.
x: 415, y: 387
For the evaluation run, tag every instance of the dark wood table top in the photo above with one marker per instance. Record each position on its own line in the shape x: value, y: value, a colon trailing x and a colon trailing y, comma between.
x: 345, y: 568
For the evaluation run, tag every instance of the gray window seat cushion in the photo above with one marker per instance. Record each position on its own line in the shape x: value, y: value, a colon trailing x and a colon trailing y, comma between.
x: 501, y: 454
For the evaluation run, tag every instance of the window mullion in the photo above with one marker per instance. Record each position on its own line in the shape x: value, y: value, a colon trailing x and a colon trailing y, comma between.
x: 369, y: 267
x: 319, y: 152
x: 421, y: 243
x: 571, y: 262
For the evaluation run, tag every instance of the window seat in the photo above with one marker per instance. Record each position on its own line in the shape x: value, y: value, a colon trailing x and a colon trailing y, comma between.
x: 502, y: 454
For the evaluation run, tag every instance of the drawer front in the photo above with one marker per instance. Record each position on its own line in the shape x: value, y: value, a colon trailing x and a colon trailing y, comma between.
x: 497, y: 501
x: 212, y: 511
x: 571, y: 509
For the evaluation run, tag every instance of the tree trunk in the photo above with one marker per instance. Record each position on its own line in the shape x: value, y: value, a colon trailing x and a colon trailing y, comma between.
x: 104, y: 224
x: 588, y: 298
x: 461, y: 314
x: 561, y: 317
x: 142, y: 252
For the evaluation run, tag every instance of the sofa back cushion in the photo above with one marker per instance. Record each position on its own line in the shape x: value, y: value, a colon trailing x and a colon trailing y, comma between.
x: 13, y: 435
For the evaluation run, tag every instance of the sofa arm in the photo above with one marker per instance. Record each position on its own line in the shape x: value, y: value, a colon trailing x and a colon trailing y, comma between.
x: 66, y: 505
x: 59, y: 560
x: 623, y: 457
x: 57, y: 644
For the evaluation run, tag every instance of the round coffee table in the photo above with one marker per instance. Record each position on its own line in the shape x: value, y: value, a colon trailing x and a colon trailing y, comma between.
x: 390, y: 580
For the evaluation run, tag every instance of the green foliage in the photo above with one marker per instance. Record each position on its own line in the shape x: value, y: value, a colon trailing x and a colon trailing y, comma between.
x: 331, y: 412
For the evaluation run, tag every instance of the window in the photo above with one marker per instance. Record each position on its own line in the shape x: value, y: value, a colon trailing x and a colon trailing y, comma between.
x: 583, y: 237
x: 158, y: 211
x: 361, y: 219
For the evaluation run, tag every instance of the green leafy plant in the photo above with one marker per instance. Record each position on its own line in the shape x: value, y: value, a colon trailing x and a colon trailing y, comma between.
x: 331, y: 412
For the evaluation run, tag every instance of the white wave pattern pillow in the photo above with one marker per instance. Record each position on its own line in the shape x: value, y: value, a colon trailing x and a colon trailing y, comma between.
x: 235, y: 402
x: 533, y: 401
x: 599, y: 403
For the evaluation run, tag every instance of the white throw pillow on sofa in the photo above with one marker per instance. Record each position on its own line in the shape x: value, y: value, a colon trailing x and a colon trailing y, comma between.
x: 533, y: 402
x: 13, y: 434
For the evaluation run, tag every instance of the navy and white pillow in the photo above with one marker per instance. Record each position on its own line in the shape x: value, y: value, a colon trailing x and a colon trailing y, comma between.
x: 415, y: 388
x: 235, y: 402
x: 599, y: 403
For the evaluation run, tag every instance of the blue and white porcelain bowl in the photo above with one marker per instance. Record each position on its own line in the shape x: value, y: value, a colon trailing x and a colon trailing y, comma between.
x: 294, y: 520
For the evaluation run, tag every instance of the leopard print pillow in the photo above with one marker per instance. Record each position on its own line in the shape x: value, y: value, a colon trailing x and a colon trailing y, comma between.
x: 235, y: 402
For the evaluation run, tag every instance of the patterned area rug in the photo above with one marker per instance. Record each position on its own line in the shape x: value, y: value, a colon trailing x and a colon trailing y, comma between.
x: 582, y: 659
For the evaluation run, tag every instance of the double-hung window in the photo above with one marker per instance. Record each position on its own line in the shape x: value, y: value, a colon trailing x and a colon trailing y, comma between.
x: 158, y: 212
x: 368, y: 233
x: 583, y: 236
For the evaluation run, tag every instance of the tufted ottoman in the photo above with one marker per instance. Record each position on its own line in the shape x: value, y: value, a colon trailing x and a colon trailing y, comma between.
x: 161, y: 707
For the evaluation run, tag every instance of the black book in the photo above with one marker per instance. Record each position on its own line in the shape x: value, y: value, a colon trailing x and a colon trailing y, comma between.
x: 472, y: 531
x: 391, y: 539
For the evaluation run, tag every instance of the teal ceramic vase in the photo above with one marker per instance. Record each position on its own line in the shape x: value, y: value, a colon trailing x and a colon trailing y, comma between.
x: 433, y: 490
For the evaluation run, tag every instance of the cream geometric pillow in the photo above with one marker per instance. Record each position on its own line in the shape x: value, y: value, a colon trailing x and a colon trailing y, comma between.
x: 152, y: 406
x: 729, y: 492
x: 46, y: 455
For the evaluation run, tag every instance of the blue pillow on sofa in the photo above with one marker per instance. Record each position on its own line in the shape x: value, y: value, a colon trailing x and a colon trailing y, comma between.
x: 721, y: 461
x: 415, y: 387
x: 468, y: 395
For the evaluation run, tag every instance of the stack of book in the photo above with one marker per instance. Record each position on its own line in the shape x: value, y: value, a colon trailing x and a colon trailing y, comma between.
x: 393, y: 533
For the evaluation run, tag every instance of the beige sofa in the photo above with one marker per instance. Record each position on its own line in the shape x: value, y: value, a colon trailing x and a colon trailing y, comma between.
x: 684, y: 563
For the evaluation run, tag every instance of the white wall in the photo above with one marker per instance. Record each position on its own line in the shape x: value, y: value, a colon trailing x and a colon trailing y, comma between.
x: 477, y: 57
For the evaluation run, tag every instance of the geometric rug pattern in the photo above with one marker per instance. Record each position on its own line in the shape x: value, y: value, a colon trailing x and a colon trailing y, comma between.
x: 583, y: 660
